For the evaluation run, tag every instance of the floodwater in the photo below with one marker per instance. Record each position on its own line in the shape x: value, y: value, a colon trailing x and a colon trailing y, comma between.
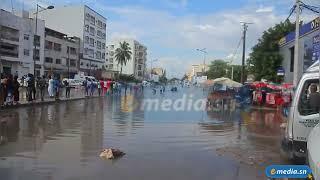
x: 64, y: 140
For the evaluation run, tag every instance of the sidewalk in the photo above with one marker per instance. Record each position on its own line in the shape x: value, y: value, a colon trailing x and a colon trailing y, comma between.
x: 75, y: 94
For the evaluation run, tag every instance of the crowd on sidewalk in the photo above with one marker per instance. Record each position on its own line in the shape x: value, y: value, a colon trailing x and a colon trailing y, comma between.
x: 11, y: 88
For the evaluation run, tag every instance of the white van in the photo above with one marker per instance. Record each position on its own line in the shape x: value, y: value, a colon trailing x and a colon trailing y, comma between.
x: 303, y: 115
x: 314, y: 151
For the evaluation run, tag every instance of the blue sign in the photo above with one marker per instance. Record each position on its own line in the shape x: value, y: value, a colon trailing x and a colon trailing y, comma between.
x: 280, y: 71
x: 316, y: 48
x: 288, y: 171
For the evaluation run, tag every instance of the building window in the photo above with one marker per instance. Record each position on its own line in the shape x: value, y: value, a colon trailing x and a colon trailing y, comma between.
x: 48, y: 44
x: 291, y: 59
x: 111, y: 53
x: 92, y: 31
x: 91, y: 42
x: 57, y: 47
x: 92, y: 20
x: 90, y: 52
x: 86, y: 28
x: 72, y: 50
x: 139, y: 67
x: 99, y: 33
x: 111, y: 60
x: 88, y: 16
x: 104, y: 26
x: 110, y: 66
x: 73, y: 63
x: 26, y: 36
x: 86, y: 39
x: 99, y: 23
x: 48, y: 60
x: 103, y: 45
x: 98, y: 44
x: 111, y: 46
x: 103, y: 56
x: 9, y: 34
x: 98, y: 55
x: 26, y: 52
x: 81, y: 63
x: 103, y: 35
x: 36, y: 40
x: 58, y: 61
x: 36, y: 54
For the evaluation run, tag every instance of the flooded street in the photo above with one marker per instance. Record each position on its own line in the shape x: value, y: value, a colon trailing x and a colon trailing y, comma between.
x: 64, y: 140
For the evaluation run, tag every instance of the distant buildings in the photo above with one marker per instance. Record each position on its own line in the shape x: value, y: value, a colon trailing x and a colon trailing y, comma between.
x: 57, y: 50
x: 197, y: 70
x: 17, y: 40
x: 135, y: 66
x: 158, y: 71
x: 84, y: 22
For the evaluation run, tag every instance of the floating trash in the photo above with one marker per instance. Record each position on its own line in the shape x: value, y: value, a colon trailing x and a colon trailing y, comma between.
x: 111, y: 153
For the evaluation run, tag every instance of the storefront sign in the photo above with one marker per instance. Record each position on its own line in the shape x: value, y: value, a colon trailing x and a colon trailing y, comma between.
x: 280, y: 71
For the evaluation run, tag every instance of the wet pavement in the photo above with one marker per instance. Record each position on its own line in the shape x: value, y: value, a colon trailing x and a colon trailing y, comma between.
x: 64, y: 140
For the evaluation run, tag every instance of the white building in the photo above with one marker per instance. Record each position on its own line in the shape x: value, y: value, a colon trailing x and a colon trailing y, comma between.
x: 84, y: 22
x: 135, y: 66
x: 56, y: 54
x: 17, y: 44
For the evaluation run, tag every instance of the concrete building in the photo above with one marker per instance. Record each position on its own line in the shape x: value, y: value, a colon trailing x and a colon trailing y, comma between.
x: 17, y: 40
x: 309, y: 49
x: 136, y: 65
x: 56, y: 54
x: 196, y: 70
x: 158, y: 71
x: 81, y: 21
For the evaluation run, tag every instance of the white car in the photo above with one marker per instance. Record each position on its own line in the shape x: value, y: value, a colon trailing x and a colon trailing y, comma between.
x: 314, y: 151
x: 73, y: 82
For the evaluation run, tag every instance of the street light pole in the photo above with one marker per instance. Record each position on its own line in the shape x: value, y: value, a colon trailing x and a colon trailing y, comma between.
x: 36, y: 34
x: 296, y: 64
x: 204, y: 59
x: 68, y: 49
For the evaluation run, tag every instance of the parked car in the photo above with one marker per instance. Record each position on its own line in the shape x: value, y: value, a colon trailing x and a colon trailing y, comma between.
x: 73, y: 82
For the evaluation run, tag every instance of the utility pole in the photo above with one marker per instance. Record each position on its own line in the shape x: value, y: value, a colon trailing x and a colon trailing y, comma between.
x: 245, y: 28
x: 296, y: 64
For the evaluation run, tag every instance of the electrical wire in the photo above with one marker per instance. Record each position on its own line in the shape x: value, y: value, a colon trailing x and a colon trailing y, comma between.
x: 235, y: 51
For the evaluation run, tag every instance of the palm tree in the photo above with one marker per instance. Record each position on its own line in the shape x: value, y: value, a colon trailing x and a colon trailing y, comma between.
x: 123, y: 54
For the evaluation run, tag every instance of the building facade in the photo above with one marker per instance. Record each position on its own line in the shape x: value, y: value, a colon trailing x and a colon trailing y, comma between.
x: 17, y: 44
x: 196, y: 70
x: 136, y: 65
x: 88, y: 25
x: 309, y: 49
x: 158, y: 71
x: 61, y: 54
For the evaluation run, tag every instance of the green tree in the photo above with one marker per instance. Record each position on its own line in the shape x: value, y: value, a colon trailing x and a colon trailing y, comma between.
x: 265, y: 58
x: 217, y: 68
x: 236, y: 72
x: 123, y: 54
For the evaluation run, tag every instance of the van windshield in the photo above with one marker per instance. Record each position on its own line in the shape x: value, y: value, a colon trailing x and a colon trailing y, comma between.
x: 309, y: 102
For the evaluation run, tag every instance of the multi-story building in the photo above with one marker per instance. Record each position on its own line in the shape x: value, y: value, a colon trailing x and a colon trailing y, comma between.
x: 58, y: 49
x: 85, y: 23
x: 136, y: 65
x: 197, y: 70
x: 18, y: 42
x: 158, y: 71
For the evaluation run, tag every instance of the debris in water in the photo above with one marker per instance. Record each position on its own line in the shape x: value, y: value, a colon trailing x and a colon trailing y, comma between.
x: 111, y: 153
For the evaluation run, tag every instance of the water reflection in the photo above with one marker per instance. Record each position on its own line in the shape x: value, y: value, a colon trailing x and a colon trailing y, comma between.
x: 63, y: 140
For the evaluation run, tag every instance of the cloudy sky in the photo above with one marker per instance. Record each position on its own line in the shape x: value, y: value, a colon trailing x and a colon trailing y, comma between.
x: 173, y: 29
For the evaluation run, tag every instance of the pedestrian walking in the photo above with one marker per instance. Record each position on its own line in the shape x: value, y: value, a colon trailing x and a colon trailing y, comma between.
x: 67, y: 86
x: 125, y: 88
x: 42, y: 85
x: 51, y: 87
x: 34, y: 91
x: 92, y: 87
x: 29, y: 87
x: 85, y: 85
x: 9, y: 98
x: 16, y: 86
x: 57, y: 88
x: 99, y: 86
x: 1, y: 90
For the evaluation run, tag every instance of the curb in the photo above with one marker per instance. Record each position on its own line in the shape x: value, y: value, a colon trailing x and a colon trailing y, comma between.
x: 46, y: 102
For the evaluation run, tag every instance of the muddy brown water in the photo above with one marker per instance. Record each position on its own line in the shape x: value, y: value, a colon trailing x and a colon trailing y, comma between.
x: 64, y: 140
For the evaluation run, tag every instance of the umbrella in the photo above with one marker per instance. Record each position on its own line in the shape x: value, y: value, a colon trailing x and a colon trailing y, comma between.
x: 287, y: 86
x: 259, y: 84
x: 226, y: 82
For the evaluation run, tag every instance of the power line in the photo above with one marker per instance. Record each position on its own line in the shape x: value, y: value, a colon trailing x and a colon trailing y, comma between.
x: 291, y: 11
x: 236, y: 50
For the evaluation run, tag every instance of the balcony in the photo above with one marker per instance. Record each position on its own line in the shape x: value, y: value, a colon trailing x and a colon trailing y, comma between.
x: 10, y: 50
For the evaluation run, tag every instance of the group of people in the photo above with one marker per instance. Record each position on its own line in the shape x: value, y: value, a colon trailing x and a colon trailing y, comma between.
x: 9, y: 89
